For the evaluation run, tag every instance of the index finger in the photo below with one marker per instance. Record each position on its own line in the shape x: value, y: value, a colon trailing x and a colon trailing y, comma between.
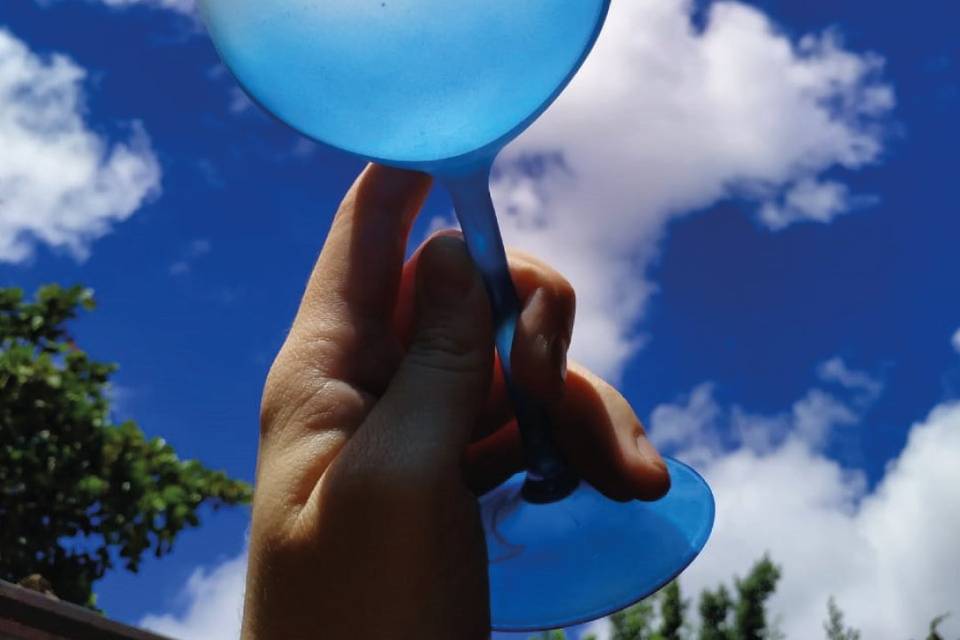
x: 344, y: 317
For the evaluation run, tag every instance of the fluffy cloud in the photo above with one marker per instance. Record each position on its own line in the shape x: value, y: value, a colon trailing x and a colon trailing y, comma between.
x: 665, y: 119
x: 811, y: 200
x: 956, y: 341
x: 214, y: 601
x: 888, y: 554
x: 690, y: 423
x: 61, y: 184
x: 697, y: 424
x: 836, y: 370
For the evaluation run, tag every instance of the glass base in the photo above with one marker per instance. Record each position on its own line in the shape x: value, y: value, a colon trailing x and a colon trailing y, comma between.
x: 581, y: 558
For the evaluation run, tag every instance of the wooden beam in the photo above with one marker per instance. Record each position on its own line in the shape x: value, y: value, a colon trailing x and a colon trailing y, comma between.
x: 29, y: 615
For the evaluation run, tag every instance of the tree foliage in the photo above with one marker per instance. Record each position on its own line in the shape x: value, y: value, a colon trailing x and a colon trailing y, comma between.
x: 78, y: 492
x: 934, y: 633
x: 721, y: 617
x: 673, y: 609
x: 752, y: 594
x: 715, y: 608
x: 634, y: 623
x: 835, y: 627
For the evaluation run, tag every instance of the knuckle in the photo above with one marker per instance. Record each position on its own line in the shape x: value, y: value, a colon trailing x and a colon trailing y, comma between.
x: 528, y: 266
x: 298, y: 394
x: 444, y: 350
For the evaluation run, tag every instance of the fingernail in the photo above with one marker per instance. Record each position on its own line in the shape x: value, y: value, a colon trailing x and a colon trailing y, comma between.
x: 558, y: 355
x: 446, y: 271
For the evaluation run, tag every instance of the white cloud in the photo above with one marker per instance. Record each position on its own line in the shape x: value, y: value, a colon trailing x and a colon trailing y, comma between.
x: 817, y: 414
x: 837, y: 371
x: 889, y: 555
x: 665, y: 119
x: 812, y: 420
x: 697, y: 425
x: 61, y: 184
x: 956, y: 341
x: 691, y: 424
x: 811, y: 200
x: 214, y: 605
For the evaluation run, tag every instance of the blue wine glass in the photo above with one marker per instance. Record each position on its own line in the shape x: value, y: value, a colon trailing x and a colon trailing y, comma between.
x: 441, y: 86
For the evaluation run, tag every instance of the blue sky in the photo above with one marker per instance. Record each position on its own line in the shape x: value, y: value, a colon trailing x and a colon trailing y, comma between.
x: 759, y: 213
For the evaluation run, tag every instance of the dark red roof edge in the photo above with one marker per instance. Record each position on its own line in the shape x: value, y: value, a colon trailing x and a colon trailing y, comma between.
x: 29, y: 615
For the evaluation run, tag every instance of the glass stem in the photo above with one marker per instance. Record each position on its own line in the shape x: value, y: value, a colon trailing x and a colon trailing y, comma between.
x: 549, y: 477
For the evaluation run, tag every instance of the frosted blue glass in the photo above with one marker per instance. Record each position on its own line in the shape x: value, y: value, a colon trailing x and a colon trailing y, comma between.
x: 559, y: 564
x: 441, y: 86
x: 409, y: 82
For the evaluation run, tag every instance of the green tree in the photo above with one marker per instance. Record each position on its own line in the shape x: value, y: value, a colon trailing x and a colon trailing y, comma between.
x: 77, y: 491
x: 633, y: 623
x: 752, y: 594
x: 715, y: 608
x: 834, y: 626
x: 934, y: 633
x: 720, y: 617
x: 673, y: 609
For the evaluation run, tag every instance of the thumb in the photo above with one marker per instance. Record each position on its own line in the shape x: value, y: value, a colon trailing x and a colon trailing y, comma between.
x: 430, y: 407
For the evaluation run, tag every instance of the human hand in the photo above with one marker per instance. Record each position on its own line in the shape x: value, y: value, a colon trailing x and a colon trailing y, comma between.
x: 384, y: 415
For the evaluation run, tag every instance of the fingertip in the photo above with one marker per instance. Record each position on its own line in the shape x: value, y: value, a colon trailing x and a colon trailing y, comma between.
x: 641, y: 471
x: 604, y: 438
x: 635, y: 474
x: 380, y: 183
x: 345, y: 316
x: 650, y: 469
